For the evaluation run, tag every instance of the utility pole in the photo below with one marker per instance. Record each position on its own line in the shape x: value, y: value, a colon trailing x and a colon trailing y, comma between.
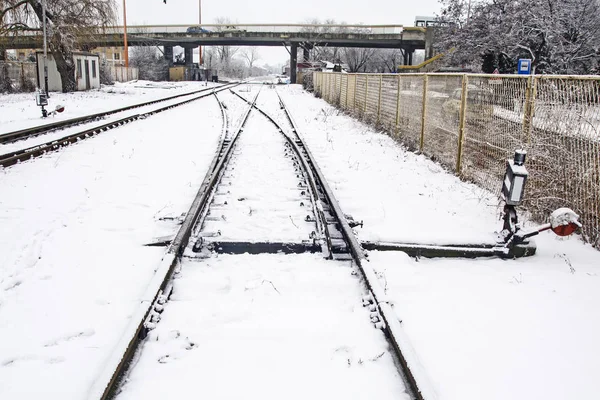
x: 200, y: 22
x: 45, y: 88
x: 125, y: 34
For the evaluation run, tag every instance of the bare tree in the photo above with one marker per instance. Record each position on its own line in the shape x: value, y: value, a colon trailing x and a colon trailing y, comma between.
x: 68, y: 21
x: 250, y: 54
x: 357, y: 58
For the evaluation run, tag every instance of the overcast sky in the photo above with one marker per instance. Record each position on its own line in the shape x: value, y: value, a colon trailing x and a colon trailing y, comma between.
x: 155, y: 12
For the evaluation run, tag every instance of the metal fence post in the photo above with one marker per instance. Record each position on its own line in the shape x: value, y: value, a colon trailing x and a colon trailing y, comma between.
x: 366, y: 95
x: 379, y: 100
x: 461, y: 123
x: 331, y: 88
x: 529, y: 108
x: 422, y: 142
x: 354, y: 96
x: 340, y: 90
x: 347, y: 86
x: 398, y: 106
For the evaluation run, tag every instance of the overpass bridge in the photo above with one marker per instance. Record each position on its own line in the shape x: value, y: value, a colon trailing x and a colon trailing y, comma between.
x: 305, y: 36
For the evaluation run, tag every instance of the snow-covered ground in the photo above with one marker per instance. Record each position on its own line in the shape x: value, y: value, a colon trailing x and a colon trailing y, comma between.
x: 18, y: 111
x: 265, y: 327
x: 73, y: 263
x: 73, y: 266
x: 483, y: 329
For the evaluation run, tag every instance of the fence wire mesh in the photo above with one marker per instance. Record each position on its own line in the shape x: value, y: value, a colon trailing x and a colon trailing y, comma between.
x: 473, y: 123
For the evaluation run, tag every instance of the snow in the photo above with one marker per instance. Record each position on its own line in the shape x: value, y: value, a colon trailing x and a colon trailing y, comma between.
x: 74, y: 270
x: 61, y: 133
x: 485, y: 328
x: 494, y: 329
x: 74, y: 225
x: 265, y: 326
x: 19, y: 111
x: 260, y: 192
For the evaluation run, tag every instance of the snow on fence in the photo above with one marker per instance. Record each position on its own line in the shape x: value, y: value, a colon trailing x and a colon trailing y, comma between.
x: 472, y: 123
x: 123, y: 74
x: 17, y: 76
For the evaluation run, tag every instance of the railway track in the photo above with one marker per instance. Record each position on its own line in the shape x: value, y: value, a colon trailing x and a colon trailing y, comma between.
x: 24, y: 153
x: 23, y: 134
x: 265, y: 195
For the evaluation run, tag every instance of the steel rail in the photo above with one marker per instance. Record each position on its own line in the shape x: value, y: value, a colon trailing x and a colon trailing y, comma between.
x: 160, y: 287
x: 412, y: 369
x: 313, y: 184
x: 23, y: 134
x: 14, y: 157
x: 419, y: 385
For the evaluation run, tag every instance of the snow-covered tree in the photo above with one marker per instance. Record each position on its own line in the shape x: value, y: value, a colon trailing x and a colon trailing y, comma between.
x: 151, y: 64
x: 559, y: 36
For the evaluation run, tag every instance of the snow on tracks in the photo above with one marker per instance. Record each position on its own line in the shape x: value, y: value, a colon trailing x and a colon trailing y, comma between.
x: 74, y: 224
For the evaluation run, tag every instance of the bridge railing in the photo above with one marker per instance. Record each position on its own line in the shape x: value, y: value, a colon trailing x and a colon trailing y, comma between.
x: 555, y: 118
x: 258, y: 28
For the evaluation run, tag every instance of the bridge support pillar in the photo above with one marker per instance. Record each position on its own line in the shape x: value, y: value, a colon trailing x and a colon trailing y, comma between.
x: 305, y: 54
x: 293, y: 62
x: 169, y: 55
x: 189, y: 56
x: 408, y: 56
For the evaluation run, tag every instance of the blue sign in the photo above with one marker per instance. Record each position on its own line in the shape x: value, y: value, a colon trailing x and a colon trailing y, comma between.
x: 524, y: 67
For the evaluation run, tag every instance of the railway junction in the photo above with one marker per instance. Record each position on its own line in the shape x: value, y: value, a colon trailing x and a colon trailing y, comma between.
x: 280, y: 248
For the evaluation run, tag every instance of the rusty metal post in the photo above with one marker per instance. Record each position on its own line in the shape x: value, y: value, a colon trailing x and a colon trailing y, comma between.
x: 366, y: 95
x: 347, y: 88
x: 398, y: 106
x: 125, y: 35
x: 461, y: 123
x: 354, y: 97
x: 530, y: 95
x: 379, y: 100
x: 424, y: 112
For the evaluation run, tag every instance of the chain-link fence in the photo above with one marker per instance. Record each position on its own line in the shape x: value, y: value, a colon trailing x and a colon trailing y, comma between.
x: 17, y: 76
x: 472, y: 123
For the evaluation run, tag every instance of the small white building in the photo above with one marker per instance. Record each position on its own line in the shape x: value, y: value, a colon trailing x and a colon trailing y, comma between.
x: 87, y: 71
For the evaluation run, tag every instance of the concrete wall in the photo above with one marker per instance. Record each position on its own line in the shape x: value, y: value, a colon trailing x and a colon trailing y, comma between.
x: 54, y: 80
x: 123, y: 74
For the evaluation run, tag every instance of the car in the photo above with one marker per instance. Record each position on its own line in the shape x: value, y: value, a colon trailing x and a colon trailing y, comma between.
x: 232, y: 28
x: 480, y: 106
x: 197, y: 29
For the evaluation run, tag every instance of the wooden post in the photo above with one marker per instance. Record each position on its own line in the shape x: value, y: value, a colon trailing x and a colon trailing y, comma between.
x: 461, y: 123
x: 422, y: 142
x: 398, y: 106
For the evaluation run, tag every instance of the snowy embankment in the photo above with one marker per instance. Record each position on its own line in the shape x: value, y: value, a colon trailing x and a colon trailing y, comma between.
x: 74, y: 224
x: 483, y: 329
x: 18, y: 111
